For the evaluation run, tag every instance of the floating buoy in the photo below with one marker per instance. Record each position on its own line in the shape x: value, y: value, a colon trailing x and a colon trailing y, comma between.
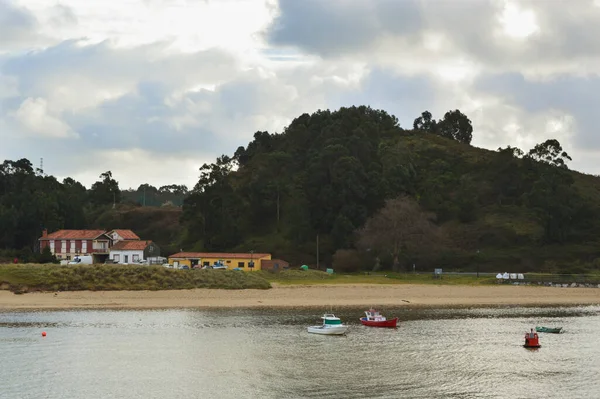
x: 43, y: 333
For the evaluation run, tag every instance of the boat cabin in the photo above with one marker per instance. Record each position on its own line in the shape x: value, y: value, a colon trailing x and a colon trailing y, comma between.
x: 331, y: 320
x: 373, y: 315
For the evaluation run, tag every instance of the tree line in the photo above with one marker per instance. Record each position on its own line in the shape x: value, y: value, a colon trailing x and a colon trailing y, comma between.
x: 31, y: 201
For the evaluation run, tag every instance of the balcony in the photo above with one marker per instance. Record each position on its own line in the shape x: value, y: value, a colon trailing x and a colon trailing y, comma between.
x: 98, y: 251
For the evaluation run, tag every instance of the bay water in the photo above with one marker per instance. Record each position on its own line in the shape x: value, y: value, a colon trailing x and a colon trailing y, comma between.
x: 267, y: 353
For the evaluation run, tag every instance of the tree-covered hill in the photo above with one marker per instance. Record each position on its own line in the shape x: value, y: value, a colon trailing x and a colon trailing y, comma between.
x: 328, y: 173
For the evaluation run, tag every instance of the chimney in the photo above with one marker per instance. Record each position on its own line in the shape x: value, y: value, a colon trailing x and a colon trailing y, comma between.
x: 44, y: 233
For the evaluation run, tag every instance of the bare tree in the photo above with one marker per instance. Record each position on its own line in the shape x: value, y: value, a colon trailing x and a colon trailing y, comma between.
x: 401, y: 225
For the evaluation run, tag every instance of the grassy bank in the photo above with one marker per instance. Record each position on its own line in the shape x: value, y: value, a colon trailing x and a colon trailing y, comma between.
x: 34, y: 277
x: 312, y: 277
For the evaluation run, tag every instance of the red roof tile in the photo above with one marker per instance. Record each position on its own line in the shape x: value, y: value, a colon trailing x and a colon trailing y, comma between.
x: 218, y: 255
x: 74, y: 235
x: 126, y: 234
x: 131, y: 245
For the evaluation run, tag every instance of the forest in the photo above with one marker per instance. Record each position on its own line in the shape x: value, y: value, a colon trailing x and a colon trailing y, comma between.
x: 351, y: 184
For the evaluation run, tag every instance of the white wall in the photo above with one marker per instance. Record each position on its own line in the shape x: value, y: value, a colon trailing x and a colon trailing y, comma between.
x: 129, y: 253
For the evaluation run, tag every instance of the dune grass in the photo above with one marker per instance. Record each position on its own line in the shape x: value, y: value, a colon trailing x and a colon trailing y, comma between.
x: 34, y: 277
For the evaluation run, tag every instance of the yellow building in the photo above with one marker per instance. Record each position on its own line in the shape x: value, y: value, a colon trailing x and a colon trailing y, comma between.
x: 243, y: 261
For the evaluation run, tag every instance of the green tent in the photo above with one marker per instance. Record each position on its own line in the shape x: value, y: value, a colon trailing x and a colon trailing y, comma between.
x: 304, y: 267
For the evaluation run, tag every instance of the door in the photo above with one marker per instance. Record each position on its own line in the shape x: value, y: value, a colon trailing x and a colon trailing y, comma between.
x: 125, y: 258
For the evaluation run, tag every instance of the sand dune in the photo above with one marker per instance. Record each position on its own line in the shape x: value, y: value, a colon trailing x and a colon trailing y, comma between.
x: 300, y: 296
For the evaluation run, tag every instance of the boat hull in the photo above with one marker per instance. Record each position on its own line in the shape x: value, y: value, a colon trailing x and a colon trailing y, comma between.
x: 334, y: 330
x: 383, y: 323
x: 549, y: 330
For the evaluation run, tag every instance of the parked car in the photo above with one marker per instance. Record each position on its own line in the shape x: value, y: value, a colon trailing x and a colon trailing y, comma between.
x: 82, y: 260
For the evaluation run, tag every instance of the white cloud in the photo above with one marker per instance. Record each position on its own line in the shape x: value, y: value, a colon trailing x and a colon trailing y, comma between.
x: 132, y: 167
x: 37, y: 119
x: 518, y: 23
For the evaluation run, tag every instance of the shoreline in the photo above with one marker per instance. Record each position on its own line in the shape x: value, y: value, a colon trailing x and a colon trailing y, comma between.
x: 305, y: 296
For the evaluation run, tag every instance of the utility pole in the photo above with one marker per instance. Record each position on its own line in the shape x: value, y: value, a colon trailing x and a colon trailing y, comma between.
x: 144, y: 196
x: 114, y: 200
x: 318, y: 268
x: 278, y: 207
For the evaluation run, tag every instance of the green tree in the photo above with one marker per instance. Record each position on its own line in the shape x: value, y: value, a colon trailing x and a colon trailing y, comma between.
x: 426, y: 123
x: 551, y: 153
x: 105, y: 191
x: 456, y: 126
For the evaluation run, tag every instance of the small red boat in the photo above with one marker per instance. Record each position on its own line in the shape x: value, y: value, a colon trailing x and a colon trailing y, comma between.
x: 532, y: 340
x: 374, y: 319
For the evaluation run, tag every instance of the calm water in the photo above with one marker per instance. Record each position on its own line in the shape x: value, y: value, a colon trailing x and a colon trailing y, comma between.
x: 466, y: 353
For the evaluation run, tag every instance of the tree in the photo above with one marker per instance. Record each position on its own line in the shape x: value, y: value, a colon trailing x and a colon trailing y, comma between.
x: 425, y: 122
x: 456, y: 126
x: 401, y: 226
x: 46, y: 256
x: 551, y: 153
x: 106, y: 191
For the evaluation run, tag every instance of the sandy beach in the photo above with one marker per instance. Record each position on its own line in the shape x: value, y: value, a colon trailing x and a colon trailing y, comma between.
x: 306, y: 296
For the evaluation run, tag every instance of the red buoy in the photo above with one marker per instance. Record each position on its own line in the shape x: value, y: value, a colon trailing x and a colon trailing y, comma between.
x: 532, y: 340
x: 43, y: 333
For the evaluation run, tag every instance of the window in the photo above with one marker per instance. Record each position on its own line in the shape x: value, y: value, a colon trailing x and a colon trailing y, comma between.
x: 205, y: 263
x: 72, y: 247
x: 240, y: 264
x: 117, y: 257
x: 135, y: 258
x: 228, y: 261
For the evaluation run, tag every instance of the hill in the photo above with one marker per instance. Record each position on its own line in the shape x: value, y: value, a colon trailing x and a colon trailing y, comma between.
x: 329, y: 173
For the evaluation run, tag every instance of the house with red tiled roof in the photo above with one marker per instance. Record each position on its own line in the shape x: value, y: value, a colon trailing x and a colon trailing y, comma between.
x: 67, y: 244
x: 244, y: 261
x: 120, y: 235
x: 134, y: 251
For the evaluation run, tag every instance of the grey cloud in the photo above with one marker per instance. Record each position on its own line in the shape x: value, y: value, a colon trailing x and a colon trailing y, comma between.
x: 16, y: 24
x: 330, y: 28
x: 574, y: 95
x: 62, y: 15
x: 42, y: 71
x: 404, y: 97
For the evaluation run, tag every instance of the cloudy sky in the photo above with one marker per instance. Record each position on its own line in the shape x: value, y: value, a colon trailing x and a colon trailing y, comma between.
x: 152, y: 89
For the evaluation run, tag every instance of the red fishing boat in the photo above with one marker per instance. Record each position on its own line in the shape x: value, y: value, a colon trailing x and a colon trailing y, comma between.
x: 532, y: 340
x: 374, y: 319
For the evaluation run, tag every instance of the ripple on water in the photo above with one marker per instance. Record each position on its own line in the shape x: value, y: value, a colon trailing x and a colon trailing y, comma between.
x: 240, y: 353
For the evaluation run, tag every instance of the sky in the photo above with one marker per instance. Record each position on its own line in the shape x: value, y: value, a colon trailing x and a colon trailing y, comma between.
x: 152, y: 89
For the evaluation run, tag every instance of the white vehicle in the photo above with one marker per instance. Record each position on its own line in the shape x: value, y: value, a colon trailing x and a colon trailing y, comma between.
x: 82, y: 260
x: 217, y: 266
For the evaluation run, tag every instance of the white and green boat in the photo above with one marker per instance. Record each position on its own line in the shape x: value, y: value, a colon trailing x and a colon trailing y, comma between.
x: 331, y: 326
